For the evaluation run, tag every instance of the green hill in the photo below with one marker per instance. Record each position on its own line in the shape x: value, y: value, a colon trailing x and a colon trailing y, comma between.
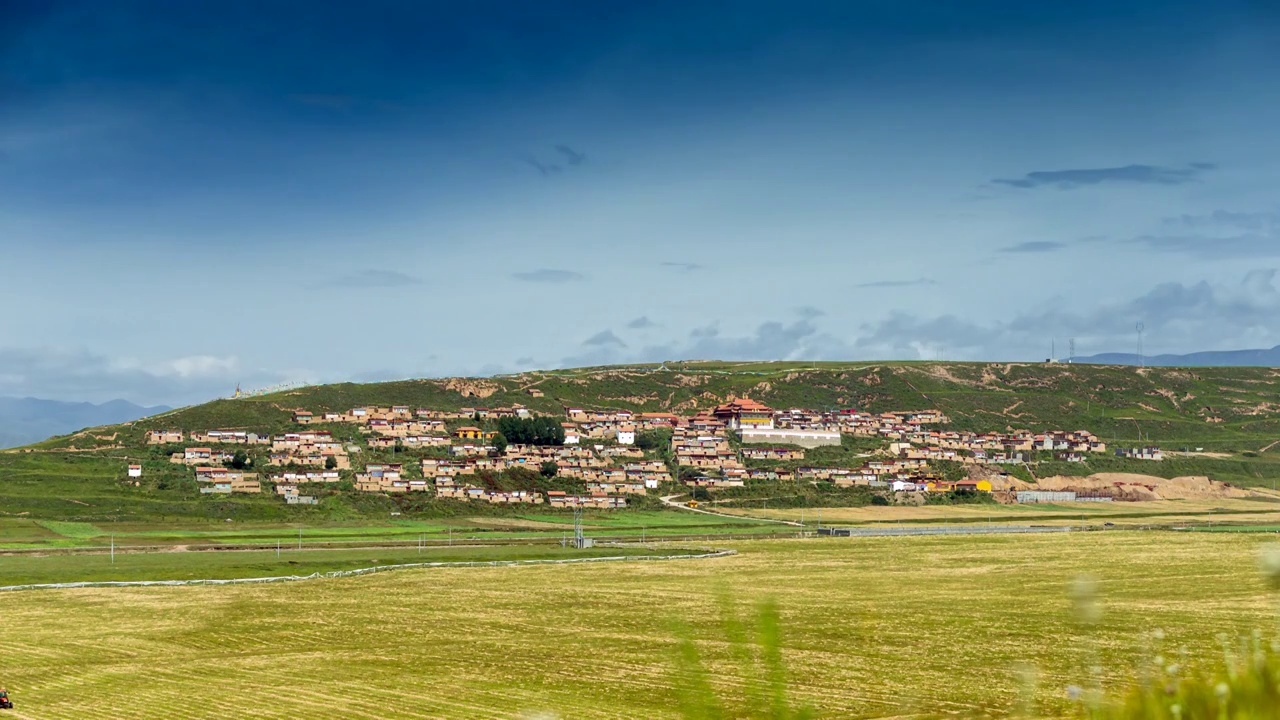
x: 1171, y: 406
x: 1232, y: 414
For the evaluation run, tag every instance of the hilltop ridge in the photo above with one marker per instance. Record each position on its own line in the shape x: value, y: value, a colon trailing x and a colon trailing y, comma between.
x: 1216, y: 404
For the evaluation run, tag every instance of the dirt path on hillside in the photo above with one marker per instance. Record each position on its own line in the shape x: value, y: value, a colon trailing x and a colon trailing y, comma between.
x: 1213, y: 455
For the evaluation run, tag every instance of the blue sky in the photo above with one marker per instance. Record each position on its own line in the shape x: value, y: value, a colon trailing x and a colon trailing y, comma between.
x: 198, y: 194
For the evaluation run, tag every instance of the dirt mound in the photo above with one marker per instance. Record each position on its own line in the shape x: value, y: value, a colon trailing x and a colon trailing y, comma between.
x: 1133, y: 486
x: 471, y: 388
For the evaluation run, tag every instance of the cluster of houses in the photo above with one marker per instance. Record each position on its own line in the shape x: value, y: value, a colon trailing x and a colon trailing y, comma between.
x: 1141, y: 453
x: 224, y: 481
x: 607, y: 484
x: 600, y: 451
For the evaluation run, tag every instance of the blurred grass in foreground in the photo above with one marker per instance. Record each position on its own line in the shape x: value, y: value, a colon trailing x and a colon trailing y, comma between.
x: 1241, y: 684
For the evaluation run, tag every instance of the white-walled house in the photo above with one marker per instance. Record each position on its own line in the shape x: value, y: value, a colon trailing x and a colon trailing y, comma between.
x: 627, y: 435
x: 572, y: 435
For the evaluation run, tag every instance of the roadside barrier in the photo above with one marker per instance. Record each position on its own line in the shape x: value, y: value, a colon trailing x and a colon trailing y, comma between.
x: 359, y: 571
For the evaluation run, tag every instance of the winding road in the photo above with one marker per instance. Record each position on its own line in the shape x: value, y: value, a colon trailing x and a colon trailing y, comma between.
x: 670, y: 501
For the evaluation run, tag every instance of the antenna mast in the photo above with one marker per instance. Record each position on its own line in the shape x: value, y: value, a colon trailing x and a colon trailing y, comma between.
x: 1140, y: 327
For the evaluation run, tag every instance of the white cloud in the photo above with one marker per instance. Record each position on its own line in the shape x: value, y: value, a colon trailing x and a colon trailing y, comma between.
x: 81, y: 375
x: 198, y: 366
x: 1177, y: 317
x: 799, y: 340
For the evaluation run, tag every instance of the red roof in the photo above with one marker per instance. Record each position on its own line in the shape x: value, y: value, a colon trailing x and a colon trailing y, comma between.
x: 741, y: 405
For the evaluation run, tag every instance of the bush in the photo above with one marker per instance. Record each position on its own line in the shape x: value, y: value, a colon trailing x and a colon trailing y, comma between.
x: 521, y: 478
x: 653, y: 439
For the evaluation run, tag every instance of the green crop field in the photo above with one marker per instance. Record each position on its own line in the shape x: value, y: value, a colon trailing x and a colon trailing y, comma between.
x: 104, y: 567
x: 27, y: 534
x: 879, y: 627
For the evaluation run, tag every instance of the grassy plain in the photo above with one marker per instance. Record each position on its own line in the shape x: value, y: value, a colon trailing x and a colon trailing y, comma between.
x: 877, y: 627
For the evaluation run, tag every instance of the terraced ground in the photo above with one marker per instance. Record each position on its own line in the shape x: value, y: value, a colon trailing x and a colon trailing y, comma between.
x: 880, y: 627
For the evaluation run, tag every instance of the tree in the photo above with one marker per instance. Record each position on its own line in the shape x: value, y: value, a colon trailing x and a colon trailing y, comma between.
x: 536, y: 430
x: 331, y: 463
x: 240, y: 460
x: 549, y: 469
x: 499, y: 442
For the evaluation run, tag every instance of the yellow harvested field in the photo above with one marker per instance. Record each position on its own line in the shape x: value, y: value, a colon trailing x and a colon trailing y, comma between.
x: 876, y: 627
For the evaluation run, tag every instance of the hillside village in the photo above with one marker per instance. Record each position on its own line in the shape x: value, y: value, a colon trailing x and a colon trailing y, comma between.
x: 607, y: 458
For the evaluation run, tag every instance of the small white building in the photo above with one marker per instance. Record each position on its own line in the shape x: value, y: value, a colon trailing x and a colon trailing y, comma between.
x: 135, y: 471
x: 627, y: 435
x: 572, y: 435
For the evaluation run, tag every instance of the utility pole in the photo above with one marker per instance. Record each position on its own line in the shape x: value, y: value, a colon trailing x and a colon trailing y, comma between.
x: 113, y: 549
x: 277, y: 549
x: 299, y: 538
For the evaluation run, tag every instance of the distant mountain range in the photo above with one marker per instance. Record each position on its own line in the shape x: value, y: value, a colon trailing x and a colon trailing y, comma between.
x: 1212, y: 358
x: 28, y: 420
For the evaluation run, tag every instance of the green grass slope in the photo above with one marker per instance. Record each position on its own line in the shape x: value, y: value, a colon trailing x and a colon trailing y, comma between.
x: 1171, y: 405
x: 1233, y: 411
